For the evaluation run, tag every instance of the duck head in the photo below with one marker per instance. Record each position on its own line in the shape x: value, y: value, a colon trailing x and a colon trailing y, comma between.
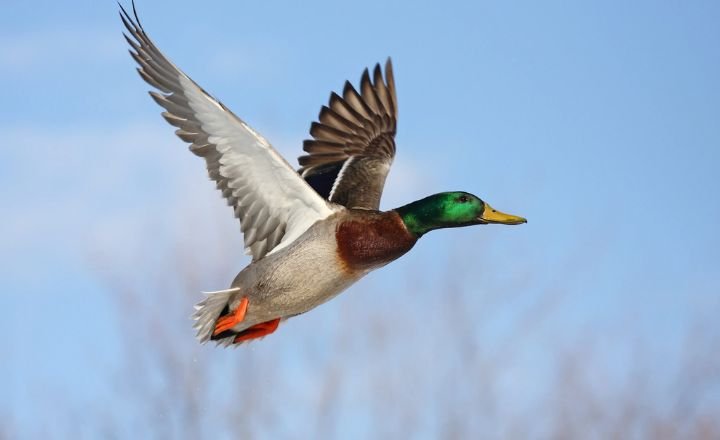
x: 451, y: 210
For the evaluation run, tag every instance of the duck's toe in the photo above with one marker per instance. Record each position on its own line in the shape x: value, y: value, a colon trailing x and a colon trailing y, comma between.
x: 257, y: 331
x: 227, y: 322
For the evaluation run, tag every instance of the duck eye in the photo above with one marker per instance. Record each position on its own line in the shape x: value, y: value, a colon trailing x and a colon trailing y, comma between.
x: 463, y: 199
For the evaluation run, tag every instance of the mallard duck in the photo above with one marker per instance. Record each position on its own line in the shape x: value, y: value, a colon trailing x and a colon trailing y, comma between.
x: 313, y: 232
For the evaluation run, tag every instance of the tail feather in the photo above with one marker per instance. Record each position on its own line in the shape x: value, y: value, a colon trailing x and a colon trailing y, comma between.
x: 208, y: 310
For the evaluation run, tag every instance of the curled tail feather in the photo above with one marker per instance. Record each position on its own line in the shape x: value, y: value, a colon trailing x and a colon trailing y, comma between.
x: 207, y: 312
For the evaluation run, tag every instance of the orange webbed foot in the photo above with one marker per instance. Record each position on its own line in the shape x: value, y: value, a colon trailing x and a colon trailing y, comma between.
x: 230, y: 320
x: 257, y: 331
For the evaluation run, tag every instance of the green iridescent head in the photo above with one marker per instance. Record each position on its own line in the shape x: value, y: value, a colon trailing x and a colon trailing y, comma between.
x: 451, y: 210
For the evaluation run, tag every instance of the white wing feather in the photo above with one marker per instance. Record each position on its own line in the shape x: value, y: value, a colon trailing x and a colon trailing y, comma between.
x: 273, y: 203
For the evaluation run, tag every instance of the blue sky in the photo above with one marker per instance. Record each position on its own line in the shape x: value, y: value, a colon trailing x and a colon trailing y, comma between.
x: 598, y: 121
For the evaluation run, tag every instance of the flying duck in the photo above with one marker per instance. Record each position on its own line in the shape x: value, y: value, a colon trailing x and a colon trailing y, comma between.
x: 312, y: 232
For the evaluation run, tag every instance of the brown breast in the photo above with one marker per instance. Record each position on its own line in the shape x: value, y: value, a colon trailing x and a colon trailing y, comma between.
x: 370, y: 239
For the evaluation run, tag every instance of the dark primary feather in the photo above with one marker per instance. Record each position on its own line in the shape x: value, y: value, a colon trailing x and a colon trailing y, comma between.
x: 323, y: 178
x: 353, y: 142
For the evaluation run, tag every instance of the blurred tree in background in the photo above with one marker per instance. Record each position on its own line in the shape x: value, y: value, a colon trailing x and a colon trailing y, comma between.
x: 452, y: 349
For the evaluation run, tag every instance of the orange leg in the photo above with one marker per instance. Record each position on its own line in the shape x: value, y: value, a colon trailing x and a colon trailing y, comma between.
x: 257, y: 331
x: 232, y: 319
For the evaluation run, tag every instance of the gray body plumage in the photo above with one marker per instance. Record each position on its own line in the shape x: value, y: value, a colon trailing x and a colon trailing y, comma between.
x: 305, y: 274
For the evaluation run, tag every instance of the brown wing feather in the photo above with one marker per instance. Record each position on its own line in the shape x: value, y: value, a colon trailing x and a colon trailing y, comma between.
x: 353, y: 142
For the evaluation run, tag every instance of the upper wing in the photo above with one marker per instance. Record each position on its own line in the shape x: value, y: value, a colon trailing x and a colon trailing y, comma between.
x: 354, y: 142
x: 274, y: 205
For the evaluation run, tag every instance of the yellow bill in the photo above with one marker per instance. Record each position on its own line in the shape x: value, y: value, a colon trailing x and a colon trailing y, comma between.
x: 492, y: 215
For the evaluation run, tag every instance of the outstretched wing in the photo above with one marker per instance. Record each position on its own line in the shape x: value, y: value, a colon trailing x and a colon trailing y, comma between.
x: 274, y: 204
x: 353, y: 142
